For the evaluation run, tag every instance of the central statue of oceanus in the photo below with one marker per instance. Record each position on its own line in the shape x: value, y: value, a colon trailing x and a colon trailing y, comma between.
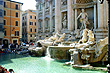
x: 84, y: 19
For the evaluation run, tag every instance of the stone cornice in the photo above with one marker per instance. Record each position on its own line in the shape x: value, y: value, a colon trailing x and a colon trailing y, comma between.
x: 86, y: 5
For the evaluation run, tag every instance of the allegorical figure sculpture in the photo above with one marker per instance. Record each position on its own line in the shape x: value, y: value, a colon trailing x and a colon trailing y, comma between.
x: 84, y: 19
x: 64, y: 21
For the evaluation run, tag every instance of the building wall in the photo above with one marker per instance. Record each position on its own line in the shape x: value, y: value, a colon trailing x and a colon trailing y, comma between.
x: 1, y: 23
x: 97, y: 16
x: 26, y: 28
x: 11, y: 19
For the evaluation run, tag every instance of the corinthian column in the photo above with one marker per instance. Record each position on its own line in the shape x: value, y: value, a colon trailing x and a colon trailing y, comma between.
x: 70, y: 18
x: 37, y: 13
x: 100, y: 15
x: 95, y: 15
x: 57, y: 15
x: 51, y: 28
x: 43, y: 17
x: 76, y: 26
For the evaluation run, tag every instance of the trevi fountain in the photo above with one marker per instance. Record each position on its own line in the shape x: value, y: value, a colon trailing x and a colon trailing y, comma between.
x: 80, y: 49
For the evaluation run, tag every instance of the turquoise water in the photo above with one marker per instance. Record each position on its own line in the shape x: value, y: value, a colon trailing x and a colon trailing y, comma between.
x: 29, y: 64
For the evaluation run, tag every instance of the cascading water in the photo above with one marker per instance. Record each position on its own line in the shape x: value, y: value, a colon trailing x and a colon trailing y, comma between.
x: 48, y: 56
x: 47, y: 52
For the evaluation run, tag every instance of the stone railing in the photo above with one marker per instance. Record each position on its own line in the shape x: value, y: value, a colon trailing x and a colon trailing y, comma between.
x: 83, y: 1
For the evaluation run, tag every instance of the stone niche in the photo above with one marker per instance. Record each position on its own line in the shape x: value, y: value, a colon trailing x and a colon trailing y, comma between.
x: 90, y: 12
x: 64, y: 20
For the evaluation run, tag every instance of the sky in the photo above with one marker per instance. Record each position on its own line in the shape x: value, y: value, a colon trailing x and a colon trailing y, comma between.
x: 27, y: 4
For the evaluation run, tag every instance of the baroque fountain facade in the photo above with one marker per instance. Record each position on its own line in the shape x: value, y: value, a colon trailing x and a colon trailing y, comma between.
x: 74, y: 30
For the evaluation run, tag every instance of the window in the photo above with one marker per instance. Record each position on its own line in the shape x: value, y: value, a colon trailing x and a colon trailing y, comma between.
x: 40, y: 7
x: 35, y: 23
x: 16, y: 6
x: 16, y: 14
x: 26, y: 35
x: 30, y: 35
x: 40, y: 24
x: 16, y: 23
x: 30, y: 29
x: 53, y: 22
x: 47, y: 4
x: 1, y: 13
x: 16, y: 33
x: 1, y: 2
x: 35, y: 30
x: 1, y: 27
x: 4, y: 22
x: 4, y: 13
x: 47, y: 24
x: 31, y: 23
x: 30, y: 17
x: 22, y: 35
x: 35, y: 17
x: 25, y: 29
x: 25, y: 23
x: 4, y: 4
x: 23, y: 18
x: 5, y: 33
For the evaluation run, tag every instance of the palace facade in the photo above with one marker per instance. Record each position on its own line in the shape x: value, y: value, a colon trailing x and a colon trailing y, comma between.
x: 1, y: 23
x: 12, y: 22
x: 62, y: 16
x: 29, y: 26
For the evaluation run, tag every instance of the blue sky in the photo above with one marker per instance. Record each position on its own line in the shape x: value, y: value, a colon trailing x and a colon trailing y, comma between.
x: 27, y: 4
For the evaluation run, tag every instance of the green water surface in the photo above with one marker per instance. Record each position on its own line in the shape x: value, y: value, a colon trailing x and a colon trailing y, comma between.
x: 29, y: 64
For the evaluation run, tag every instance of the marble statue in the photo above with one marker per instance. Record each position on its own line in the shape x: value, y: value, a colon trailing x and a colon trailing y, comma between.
x: 84, y: 36
x: 64, y: 21
x: 54, y: 37
x: 49, y: 41
x: 61, y: 38
x: 91, y: 36
x: 84, y: 19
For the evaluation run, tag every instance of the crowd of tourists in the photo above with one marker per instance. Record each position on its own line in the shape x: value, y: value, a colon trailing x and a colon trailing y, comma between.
x: 4, y: 70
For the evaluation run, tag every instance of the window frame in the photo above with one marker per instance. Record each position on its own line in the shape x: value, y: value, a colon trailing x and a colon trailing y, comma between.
x: 5, y: 33
x: 35, y: 23
x: 16, y: 33
x: 5, y: 4
x: 16, y: 6
x: 4, y: 12
x: 35, y: 30
x: 5, y: 21
x: 17, y: 23
x: 35, y: 17
x: 16, y: 14
x: 30, y: 35
x: 31, y: 23
x: 30, y: 29
x: 30, y: 16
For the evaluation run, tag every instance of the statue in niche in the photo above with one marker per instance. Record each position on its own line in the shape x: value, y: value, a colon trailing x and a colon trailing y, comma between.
x: 84, y: 19
x: 64, y: 22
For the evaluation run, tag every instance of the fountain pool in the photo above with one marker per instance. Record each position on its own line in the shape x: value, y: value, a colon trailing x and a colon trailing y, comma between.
x: 29, y: 64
